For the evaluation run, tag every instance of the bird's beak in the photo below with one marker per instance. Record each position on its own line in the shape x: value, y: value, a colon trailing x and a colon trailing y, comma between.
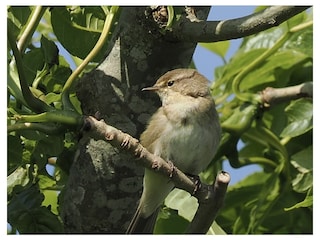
x: 153, y: 88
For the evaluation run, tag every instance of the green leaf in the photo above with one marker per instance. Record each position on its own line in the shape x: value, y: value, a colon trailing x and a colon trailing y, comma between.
x: 170, y: 222
x: 219, y: 48
x: 51, y: 200
x: 14, y: 151
x: 52, y: 97
x: 262, y: 40
x: 238, y: 195
x: 307, y: 202
x: 33, y: 61
x: 303, y: 182
x: 237, y: 63
x: 302, y: 41
x: 19, y: 15
x: 55, y: 143
x: 55, y: 81
x: 266, y: 198
x: 303, y: 160
x: 50, y: 51
x: 296, y: 20
x: 20, y: 177
x: 300, y: 116
x: 22, y: 201
x: 183, y: 202
x: 13, y: 83
x: 241, y: 119
x: 45, y: 182
x: 267, y: 73
x: 216, y: 229
x: 259, y: 207
x: 77, y: 30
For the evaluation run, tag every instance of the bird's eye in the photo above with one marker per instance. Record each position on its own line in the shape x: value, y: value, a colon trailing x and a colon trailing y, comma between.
x: 170, y: 83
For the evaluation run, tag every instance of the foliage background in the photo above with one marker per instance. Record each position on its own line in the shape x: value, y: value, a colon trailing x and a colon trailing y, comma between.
x: 278, y: 138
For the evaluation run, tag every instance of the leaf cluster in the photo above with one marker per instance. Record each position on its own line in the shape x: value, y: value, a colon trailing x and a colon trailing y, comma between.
x: 277, y: 199
x: 41, y: 141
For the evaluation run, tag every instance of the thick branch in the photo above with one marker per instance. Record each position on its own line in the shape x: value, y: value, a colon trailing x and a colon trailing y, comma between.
x: 272, y: 96
x: 213, y: 31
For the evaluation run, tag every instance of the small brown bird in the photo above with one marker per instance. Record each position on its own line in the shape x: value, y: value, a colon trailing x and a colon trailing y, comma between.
x: 185, y: 130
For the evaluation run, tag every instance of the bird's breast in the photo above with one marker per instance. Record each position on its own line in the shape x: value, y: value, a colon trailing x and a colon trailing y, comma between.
x: 189, y: 146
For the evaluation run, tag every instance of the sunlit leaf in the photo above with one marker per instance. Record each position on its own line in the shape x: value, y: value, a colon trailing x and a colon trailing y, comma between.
x: 219, y: 48
x: 307, y: 202
x: 284, y: 60
x: 300, y: 114
x: 170, y: 222
x: 183, y: 202
x: 76, y: 38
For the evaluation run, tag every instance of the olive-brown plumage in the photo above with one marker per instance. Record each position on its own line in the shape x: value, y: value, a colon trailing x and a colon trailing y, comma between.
x: 185, y: 130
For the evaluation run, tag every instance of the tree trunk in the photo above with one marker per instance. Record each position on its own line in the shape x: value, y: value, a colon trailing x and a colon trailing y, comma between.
x: 104, y: 185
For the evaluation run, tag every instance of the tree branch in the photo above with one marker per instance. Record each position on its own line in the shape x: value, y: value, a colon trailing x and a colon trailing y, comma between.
x: 272, y: 96
x: 209, y: 206
x: 99, y: 130
x: 210, y: 197
x: 214, y: 31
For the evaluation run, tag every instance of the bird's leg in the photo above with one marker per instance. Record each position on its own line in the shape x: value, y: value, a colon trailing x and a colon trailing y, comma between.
x: 196, y: 181
x: 172, y: 168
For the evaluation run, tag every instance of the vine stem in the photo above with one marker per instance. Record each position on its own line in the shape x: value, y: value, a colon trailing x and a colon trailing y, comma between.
x: 31, y: 26
x: 34, y: 103
x: 101, y: 41
x: 256, y: 98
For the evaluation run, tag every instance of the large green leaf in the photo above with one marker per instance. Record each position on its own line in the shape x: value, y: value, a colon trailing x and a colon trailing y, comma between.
x: 33, y: 61
x: 258, y: 207
x: 27, y: 215
x: 300, y: 116
x: 302, y: 41
x: 219, y: 48
x: 244, y: 192
x: 78, y: 30
x: 18, y: 17
x: 302, y: 161
x: 186, y: 207
x: 307, y: 202
x: 170, y: 222
x: 183, y: 202
x: 55, y: 81
x: 265, y: 74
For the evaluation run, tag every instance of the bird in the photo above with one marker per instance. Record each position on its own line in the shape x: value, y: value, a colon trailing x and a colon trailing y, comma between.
x: 184, y: 131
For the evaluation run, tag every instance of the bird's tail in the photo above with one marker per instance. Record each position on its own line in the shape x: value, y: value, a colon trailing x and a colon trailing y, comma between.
x: 142, y: 225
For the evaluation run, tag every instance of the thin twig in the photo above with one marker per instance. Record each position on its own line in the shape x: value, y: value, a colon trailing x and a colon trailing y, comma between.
x: 272, y: 96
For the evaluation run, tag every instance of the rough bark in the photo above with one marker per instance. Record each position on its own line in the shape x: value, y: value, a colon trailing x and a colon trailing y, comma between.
x: 104, y: 187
